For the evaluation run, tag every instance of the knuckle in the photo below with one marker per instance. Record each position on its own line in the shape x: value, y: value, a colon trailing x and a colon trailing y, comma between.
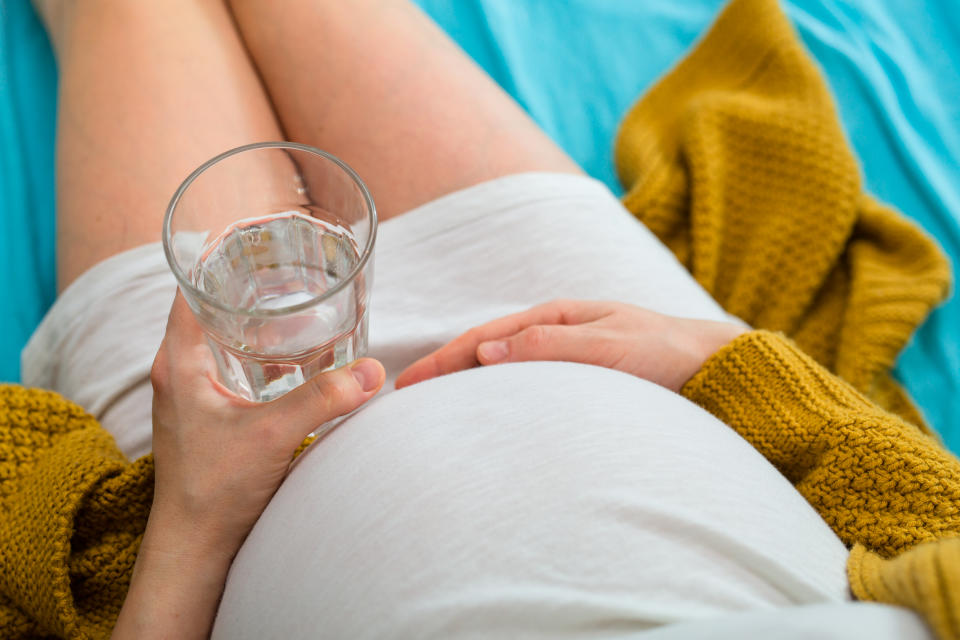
x: 535, y: 338
x: 159, y: 374
x: 337, y: 395
x: 562, y: 308
x: 318, y: 389
x: 557, y: 305
x: 474, y: 334
x: 332, y: 391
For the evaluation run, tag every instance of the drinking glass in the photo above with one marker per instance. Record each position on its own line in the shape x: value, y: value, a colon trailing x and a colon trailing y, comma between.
x: 272, y: 245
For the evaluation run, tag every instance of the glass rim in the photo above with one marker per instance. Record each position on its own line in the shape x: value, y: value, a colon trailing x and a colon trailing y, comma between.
x: 188, y: 286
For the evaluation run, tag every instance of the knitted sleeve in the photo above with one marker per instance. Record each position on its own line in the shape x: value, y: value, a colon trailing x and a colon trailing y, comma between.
x: 876, y: 479
x: 74, y: 511
x: 887, y: 489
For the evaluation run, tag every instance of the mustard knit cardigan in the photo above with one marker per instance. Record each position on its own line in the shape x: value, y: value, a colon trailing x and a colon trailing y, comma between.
x: 737, y: 162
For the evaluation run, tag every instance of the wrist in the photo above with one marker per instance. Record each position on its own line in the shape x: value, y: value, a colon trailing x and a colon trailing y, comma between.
x: 720, y: 335
x: 699, y: 341
x: 174, y: 537
x: 176, y: 585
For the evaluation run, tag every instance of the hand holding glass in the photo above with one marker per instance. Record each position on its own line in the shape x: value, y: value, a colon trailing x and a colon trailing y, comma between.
x: 272, y: 245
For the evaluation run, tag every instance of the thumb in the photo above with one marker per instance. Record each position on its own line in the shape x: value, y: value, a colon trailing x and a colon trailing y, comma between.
x: 327, y: 396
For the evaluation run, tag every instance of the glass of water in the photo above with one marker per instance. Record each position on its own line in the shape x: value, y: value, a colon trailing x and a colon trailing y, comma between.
x: 272, y: 245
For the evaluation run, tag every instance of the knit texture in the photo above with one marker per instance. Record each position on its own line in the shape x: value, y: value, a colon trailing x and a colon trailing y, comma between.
x: 926, y: 579
x: 737, y: 161
x: 74, y: 511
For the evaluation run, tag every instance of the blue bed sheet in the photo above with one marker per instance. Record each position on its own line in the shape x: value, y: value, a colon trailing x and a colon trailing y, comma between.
x: 576, y: 66
x: 27, y: 112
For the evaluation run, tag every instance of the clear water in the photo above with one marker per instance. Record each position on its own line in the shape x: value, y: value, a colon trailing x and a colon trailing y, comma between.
x: 270, y: 264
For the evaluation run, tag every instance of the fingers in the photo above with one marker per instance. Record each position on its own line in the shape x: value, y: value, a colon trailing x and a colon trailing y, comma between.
x: 324, y: 397
x: 540, y: 342
x: 461, y: 353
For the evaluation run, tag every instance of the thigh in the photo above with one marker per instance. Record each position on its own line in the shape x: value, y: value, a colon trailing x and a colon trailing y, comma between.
x: 378, y: 84
x: 148, y: 91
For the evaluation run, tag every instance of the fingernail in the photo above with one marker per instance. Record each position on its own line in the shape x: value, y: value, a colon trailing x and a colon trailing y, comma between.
x: 366, y: 374
x: 493, y: 351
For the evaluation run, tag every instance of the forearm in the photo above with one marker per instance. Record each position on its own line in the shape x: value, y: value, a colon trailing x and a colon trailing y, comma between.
x: 176, y: 585
x: 874, y: 478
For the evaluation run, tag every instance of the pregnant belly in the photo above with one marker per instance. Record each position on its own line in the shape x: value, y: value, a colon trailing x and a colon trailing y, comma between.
x: 526, y: 500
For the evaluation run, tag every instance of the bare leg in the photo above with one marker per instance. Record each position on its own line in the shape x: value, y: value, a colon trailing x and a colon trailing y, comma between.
x: 376, y: 83
x: 148, y: 91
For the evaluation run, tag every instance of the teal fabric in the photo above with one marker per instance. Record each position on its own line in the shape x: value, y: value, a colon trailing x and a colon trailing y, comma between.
x: 28, y: 83
x: 576, y: 66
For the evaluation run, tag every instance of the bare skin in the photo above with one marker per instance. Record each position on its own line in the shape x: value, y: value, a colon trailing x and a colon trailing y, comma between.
x: 218, y: 460
x: 149, y: 91
x: 378, y: 84
x: 643, y: 343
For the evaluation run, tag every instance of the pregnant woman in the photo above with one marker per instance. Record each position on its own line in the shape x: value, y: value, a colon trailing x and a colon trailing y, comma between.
x: 567, y: 491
